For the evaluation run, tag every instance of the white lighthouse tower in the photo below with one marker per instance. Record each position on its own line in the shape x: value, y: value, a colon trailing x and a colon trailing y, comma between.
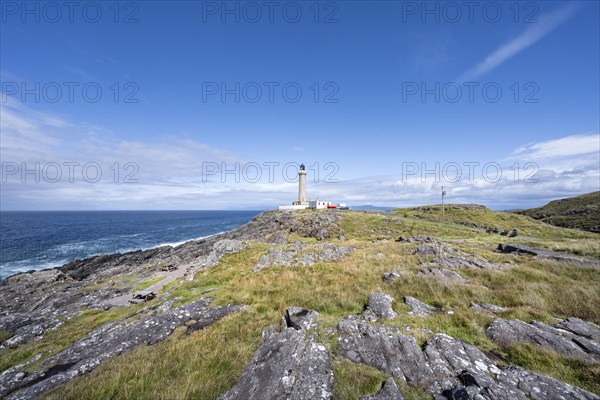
x: 302, y: 185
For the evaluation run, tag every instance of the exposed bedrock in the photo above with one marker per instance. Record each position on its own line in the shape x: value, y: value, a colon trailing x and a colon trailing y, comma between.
x: 448, y: 368
x: 290, y: 364
x: 520, y: 249
x: 107, y: 341
x: 570, y: 338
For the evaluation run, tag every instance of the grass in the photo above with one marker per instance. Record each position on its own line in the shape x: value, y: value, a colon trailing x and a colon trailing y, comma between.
x: 581, y: 212
x: 207, y: 363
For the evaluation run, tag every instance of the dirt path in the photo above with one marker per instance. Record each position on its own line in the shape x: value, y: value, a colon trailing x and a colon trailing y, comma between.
x: 123, y: 300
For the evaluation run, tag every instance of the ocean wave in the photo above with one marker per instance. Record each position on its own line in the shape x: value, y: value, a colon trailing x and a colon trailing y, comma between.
x: 14, y: 267
x: 176, y: 244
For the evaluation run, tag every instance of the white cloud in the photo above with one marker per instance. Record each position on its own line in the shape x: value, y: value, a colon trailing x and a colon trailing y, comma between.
x: 170, y: 173
x: 537, y: 31
x: 573, y: 145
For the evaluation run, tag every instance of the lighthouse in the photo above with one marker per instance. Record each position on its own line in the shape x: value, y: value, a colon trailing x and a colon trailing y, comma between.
x: 302, y: 185
x: 303, y: 203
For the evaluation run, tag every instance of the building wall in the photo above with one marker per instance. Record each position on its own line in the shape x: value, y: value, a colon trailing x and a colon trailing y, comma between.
x: 294, y: 207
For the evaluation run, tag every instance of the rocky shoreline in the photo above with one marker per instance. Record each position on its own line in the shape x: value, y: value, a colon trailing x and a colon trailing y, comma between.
x: 293, y: 363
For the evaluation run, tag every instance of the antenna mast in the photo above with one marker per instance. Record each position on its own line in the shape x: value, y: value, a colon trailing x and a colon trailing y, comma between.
x: 443, y: 210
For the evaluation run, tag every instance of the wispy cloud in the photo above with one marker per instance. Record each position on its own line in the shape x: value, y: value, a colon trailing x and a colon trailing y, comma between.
x: 573, y: 145
x: 546, y: 24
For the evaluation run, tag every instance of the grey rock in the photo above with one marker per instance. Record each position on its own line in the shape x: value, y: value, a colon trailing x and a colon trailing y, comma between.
x: 31, y: 327
x: 486, y: 307
x: 520, y: 249
x: 539, y: 387
x: 420, y: 309
x: 450, y: 258
x: 287, y: 365
x: 320, y: 234
x: 275, y: 256
x: 505, y: 333
x: 219, y: 249
x: 392, y: 276
x: 11, y: 377
x: 443, y: 274
x: 389, y: 391
x: 461, y: 260
x: 384, y: 348
x: 107, y: 341
x: 580, y: 327
x: 381, y: 305
x: 448, y: 368
x: 278, y: 237
x: 434, y: 248
x: 300, y: 254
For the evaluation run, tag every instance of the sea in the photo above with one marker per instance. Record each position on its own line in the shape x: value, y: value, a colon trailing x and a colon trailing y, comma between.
x: 35, y: 240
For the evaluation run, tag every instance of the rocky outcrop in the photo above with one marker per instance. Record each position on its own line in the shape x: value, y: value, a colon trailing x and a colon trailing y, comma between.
x: 380, y: 304
x: 287, y: 365
x: 31, y: 327
x: 389, y: 391
x: 564, y: 342
x: 278, y: 237
x: 448, y: 368
x: 520, y: 249
x: 420, y: 309
x: 219, y: 249
x: 105, y: 342
x: 450, y: 258
x: 300, y: 254
x: 580, y: 327
x: 443, y: 274
x: 318, y: 225
x: 429, y: 248
x: 413, y: 239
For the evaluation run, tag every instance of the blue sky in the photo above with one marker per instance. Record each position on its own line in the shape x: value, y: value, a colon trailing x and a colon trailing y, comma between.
x: 388, y: 89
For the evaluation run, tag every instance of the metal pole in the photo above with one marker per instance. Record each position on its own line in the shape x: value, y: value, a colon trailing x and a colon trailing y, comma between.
x: 443, y: 210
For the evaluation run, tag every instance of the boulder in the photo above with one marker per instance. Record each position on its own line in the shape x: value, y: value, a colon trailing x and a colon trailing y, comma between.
x: 392, y: 276
x: 381, y: 305
x: 278, y: 237
x: 420, y: 309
